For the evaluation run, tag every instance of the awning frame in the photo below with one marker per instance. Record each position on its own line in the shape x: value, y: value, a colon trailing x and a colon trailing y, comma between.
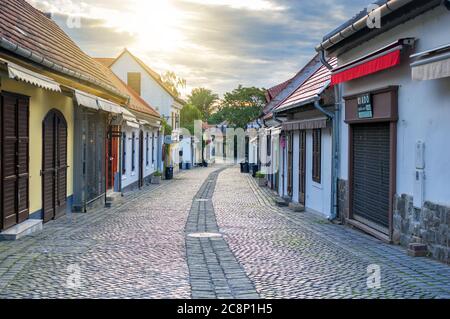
x: 309, y: 124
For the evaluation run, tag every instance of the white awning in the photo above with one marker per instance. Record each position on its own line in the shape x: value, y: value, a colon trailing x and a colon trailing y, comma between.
x: 110, y: 107
x: 19, y: 73
x: 309, y: 124
x: 432, y: 64
x: 86, y: 100
x: 132, y: 124
x: 144, y: 122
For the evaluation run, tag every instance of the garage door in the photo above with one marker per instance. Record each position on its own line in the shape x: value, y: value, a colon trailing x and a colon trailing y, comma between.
x: 371, y: 169
x: 14, y: 159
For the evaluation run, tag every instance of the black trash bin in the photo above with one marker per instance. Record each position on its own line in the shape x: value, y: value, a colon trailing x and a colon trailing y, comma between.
x: 242, y: 167
x: 246, y: 168
x: 254, y: 170
x: 169, y: 172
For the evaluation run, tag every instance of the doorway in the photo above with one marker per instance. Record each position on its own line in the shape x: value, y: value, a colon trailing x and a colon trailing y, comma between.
x: 141, y: 159
x: 54, y: 166
x: 302, y: 168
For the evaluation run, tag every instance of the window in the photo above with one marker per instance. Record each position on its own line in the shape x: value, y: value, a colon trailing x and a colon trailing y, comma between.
x: 147, y: 148
x: 133, y: 151
x: 124, y: 153
x: 317, y: 156
x: 153, y: 148
x: 134, y: 81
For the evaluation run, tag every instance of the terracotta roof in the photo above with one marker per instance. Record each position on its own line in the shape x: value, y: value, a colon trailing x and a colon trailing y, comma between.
x: 151, y: 72
x: 311, y: 87
x: 106, y: 61
x: 274, y: 91
x: 136, y: 103
x: 27, y: 27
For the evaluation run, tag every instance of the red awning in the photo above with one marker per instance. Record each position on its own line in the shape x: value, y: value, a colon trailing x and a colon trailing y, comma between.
x: 380, y: 63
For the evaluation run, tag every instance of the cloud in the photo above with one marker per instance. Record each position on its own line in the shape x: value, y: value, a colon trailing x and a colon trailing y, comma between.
x: 211, y: 43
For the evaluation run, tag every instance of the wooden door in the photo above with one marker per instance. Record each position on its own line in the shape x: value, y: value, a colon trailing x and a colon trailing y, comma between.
x: 302, y: 168
x: 141, y: 159
x: 54, y: 166
x: 14, y: 172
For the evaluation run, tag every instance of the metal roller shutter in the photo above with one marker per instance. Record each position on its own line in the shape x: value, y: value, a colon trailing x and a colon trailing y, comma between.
x: 371, y: 169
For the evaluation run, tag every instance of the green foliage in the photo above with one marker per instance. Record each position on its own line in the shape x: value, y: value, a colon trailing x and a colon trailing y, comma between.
x: 204, y: 100
x: 167, y: 127
x: 259, y: 175
x: 189, y: 114
x: 157, y: 174
x: 240, y: 107
x: 173, y: 82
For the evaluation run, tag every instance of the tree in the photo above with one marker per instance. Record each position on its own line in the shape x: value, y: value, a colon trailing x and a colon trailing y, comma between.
x: 173, y: 82
x: 240, y: 107
x: 188, y: 115
x: 204, y: 100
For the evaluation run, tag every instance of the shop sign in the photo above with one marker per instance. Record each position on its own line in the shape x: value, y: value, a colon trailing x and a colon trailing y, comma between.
x: 365, y: 108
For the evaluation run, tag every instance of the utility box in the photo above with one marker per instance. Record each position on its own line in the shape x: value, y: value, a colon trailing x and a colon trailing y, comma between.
x: 420, y: 155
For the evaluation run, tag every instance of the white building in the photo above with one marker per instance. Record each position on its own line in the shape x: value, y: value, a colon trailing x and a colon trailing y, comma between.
x: 394, y: 156
x: 149, y: 86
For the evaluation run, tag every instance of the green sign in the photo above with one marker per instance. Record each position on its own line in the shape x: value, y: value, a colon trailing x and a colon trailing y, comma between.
x: 365, y: 109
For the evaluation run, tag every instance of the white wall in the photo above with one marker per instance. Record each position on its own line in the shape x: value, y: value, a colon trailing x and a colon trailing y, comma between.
x: 151, y: 91
x: 424, y: 106
x: 131, y: 176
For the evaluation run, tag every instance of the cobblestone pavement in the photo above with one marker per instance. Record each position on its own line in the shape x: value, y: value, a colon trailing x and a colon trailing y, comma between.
x: 142, y: 249
x: 301, y: 255
x: 214, y: 271
x: 136, y: 250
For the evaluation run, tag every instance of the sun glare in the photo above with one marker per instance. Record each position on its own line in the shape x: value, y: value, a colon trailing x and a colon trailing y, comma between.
x: 155, y: 24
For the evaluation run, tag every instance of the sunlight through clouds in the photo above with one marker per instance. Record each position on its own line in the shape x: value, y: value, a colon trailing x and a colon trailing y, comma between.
x: 240, y: 4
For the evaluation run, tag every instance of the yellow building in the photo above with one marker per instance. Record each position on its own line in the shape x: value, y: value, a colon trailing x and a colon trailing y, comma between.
x: 55, y: 106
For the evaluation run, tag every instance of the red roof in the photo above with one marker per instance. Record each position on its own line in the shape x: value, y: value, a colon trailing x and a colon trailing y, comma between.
x: 29, y: 28
x: 311, y: 87
x: 274, y: 91
x: 136, y: 103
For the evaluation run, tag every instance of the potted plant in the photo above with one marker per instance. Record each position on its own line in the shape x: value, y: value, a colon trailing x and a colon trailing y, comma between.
x: 261, y: 179
x: 156, y: 178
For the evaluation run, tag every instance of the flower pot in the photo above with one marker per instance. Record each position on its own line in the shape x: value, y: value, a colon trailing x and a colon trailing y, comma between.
x: 156, y: 179
x: 261, y: 181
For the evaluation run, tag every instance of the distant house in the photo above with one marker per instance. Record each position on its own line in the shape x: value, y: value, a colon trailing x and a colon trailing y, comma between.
x: 149, y: 86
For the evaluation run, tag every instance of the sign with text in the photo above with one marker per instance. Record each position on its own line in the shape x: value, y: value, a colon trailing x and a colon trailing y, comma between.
x: 365, y: 108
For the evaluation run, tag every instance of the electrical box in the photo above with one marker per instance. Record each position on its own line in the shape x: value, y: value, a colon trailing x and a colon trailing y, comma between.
x: 419, y: 189
x: 420, y: 155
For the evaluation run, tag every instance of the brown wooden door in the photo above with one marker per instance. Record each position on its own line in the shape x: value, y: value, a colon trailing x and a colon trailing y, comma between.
x: 302, y: 168
x: 141, y: 159
x: 290, y: 163
x: 14, y: 163
x: 54, y: 166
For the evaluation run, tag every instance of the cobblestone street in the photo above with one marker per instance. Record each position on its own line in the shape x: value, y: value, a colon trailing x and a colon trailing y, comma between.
x: 156, y: 245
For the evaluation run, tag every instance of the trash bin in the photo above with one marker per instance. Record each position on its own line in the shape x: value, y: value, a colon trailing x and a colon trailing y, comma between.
x: 188, y: 166
x: 254, y: 170
x: 242, y: 167
x: 169, y: 172
x: 246, y: 168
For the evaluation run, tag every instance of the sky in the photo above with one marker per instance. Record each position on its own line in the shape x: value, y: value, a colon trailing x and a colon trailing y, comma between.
x: 217, y: 44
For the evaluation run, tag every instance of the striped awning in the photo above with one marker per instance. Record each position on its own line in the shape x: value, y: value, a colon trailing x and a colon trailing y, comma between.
x: 19, y: 73
x: 309, y: 124
x: 86, y: 99
x: 432, y: 64
x: 109, y: 107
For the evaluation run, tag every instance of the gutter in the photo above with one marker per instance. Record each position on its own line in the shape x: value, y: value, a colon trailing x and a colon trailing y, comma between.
x: 334, y: 214
x: 382, y: 11
x: 37, y: 58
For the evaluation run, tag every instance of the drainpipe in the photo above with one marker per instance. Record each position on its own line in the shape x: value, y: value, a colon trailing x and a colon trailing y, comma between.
x: 336, y: 140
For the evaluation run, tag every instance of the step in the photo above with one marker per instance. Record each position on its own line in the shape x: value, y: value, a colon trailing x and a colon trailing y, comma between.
x: 26, y: 228
x: 296, y: 207
x: 113, y: 196
x: 280, y: 202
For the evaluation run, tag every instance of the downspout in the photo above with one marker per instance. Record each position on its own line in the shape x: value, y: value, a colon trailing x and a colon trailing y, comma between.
x: 336, y: 140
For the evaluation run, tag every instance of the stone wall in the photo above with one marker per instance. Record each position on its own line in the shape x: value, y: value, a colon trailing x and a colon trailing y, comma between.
x: 429, y: 225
